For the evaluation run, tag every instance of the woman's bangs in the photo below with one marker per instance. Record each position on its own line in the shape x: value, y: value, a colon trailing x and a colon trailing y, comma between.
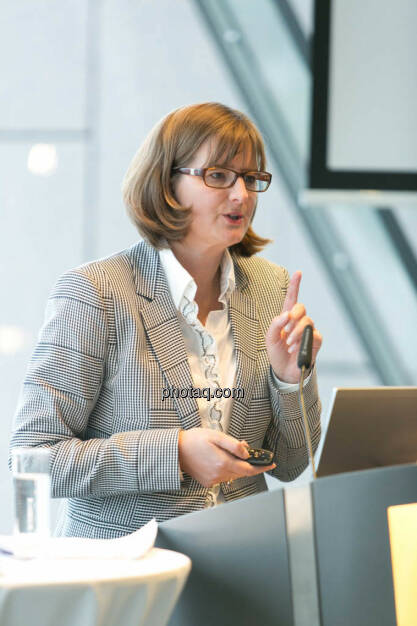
x: 227, y: 145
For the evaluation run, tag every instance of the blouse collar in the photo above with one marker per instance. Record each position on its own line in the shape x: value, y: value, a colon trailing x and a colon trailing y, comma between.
x: 182, y: 285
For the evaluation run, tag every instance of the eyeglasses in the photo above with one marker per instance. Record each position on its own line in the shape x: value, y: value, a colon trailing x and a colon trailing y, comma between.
x: 223, y: 177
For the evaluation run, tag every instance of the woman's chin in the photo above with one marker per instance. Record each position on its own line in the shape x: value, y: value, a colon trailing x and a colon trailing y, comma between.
x: 236, y: 237
x: 223, y: 240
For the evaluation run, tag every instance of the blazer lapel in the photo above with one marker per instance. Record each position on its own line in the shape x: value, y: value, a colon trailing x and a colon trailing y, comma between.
x: 245, y: 324
x: 161, y: 323
x: 162, y: 327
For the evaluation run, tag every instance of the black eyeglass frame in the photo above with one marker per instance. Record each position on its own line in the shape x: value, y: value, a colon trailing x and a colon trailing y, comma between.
x: 192, y: 171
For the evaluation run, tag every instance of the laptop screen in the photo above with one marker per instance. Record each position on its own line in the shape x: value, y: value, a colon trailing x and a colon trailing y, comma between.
x: 370, y: 427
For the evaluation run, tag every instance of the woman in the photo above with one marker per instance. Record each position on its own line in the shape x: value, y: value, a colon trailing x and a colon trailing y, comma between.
x: 134, y: 344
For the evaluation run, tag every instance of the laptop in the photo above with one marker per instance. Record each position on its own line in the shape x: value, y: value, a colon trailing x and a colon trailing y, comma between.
x: 369, y: 427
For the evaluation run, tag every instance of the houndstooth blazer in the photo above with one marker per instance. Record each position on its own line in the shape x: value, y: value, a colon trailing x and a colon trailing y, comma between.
x: 110, y: 342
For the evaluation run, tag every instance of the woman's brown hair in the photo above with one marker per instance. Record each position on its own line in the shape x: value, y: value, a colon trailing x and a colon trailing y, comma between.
x: 147, y: 186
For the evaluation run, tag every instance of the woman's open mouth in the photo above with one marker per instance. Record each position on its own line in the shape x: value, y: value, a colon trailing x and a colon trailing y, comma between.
x: 234, y: 218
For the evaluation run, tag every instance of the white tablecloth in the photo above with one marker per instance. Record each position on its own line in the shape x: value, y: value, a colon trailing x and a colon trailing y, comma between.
x: 55, y: 592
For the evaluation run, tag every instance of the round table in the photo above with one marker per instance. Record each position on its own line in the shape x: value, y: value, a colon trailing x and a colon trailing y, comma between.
x: 95, y: 592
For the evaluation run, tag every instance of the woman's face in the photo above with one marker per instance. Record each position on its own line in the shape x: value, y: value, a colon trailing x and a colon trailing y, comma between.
x: 212, y: 228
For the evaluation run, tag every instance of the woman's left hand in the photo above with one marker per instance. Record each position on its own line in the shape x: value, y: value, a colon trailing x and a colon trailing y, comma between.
x: 283, y: 337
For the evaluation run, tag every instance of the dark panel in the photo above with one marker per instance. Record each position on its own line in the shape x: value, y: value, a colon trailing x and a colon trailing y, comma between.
x: 321, y: 177
x: 240, y: 570
x: 352, y: 542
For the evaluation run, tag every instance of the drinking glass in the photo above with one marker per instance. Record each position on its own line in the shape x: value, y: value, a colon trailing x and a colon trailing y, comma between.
x: 31, y: 479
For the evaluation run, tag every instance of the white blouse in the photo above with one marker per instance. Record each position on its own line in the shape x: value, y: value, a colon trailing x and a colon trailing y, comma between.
x: 210, y: 348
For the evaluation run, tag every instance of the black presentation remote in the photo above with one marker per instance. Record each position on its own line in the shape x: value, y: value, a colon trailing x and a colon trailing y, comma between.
x: 259, y: 456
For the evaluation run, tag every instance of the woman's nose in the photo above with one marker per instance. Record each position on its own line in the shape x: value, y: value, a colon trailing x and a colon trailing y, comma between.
x: 239, y: 190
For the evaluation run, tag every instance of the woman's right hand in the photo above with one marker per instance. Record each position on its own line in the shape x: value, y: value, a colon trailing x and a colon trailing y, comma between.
x: 210, y: 456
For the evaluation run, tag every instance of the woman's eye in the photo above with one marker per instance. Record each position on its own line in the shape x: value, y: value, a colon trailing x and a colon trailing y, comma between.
x: 217, y: 175
x: 250, y: 179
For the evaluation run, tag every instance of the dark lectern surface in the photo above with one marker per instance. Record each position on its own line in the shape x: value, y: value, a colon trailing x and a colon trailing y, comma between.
x: 239, y: 575
x: 369, y: 428
x: 352, y: 543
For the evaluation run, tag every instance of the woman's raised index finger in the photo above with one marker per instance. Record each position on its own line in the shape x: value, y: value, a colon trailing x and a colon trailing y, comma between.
x: 292, y: 291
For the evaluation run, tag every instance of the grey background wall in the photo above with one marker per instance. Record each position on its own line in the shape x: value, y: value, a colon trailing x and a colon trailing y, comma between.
x: 91, y: 79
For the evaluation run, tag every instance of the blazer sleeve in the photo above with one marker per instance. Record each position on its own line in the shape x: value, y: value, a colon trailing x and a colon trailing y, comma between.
x: 285, y: 434
x: 61, y: 387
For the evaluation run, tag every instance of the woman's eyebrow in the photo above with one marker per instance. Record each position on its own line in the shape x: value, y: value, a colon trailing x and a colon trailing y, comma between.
x: 240, y: 170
